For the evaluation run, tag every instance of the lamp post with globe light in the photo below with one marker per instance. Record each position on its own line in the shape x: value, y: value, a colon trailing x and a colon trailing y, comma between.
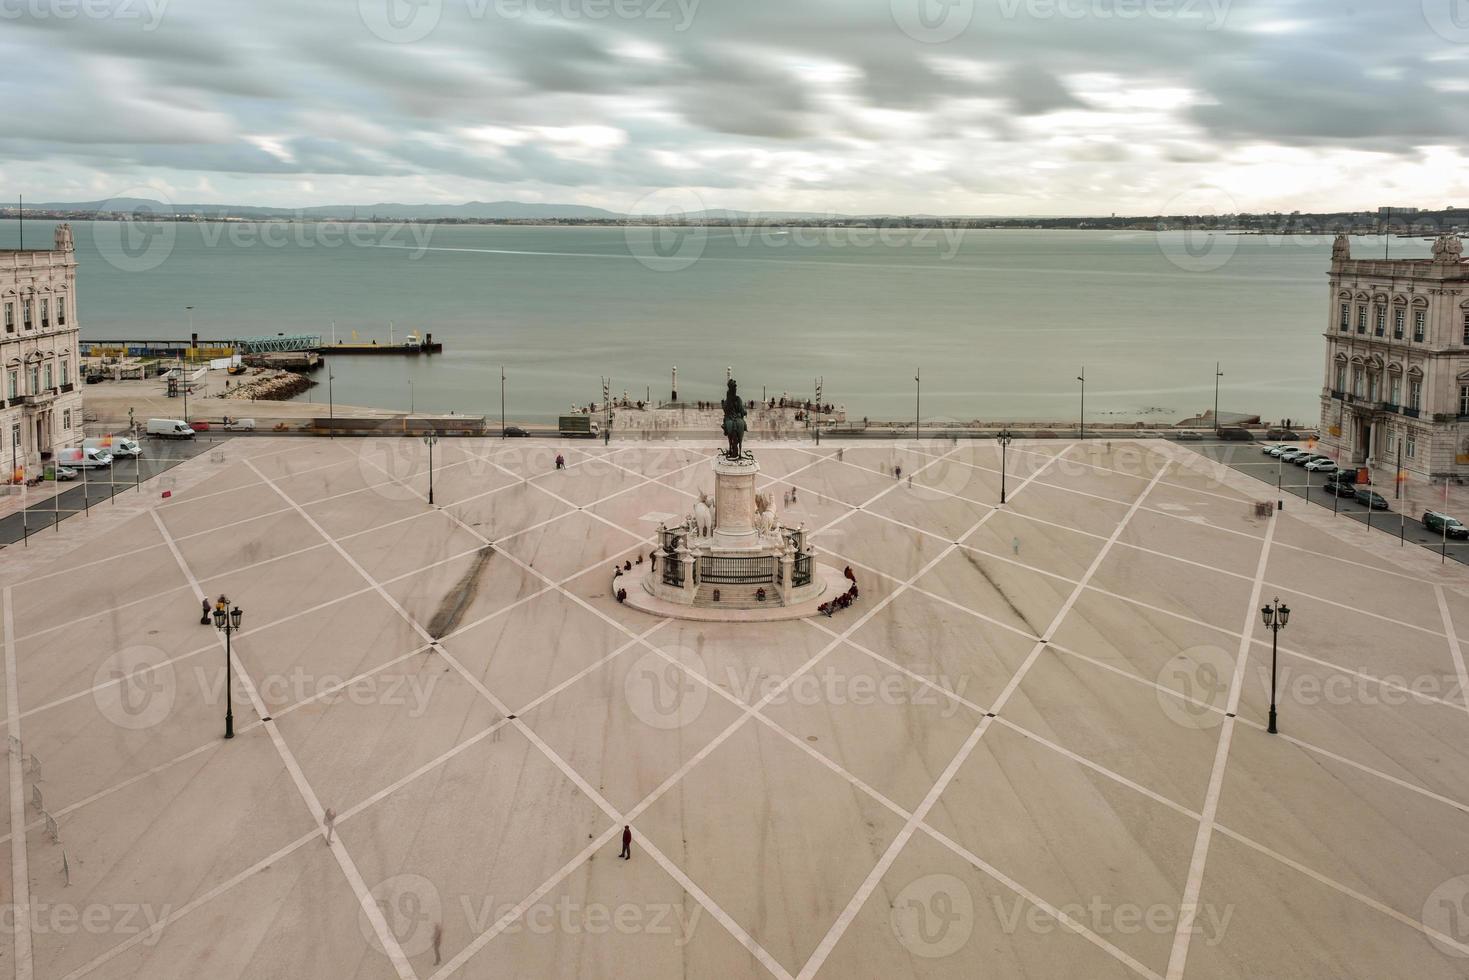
x: 227, y: 620
x: 1276, y: 616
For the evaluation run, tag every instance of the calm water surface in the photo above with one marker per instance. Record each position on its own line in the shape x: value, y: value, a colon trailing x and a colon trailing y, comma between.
x: 999, y: 322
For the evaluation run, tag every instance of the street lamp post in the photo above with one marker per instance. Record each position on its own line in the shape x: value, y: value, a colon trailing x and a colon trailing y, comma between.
x: 331, y: 408
x: 1004, y: 438
x: 1082, y: 378
x: 502, y: 401
x: 183, y: 379
x: 1276, y: 616
x: 429, y: 438
x: 1217, y: 375
x: 917, y: 402
x: 227, y: 621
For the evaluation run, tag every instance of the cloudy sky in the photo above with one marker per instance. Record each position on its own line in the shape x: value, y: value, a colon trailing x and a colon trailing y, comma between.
x: 939, y: 106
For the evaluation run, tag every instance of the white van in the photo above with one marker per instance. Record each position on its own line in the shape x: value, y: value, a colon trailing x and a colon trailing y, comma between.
x: 169, y: 429
x: 116, y: 445
x: 83, y: 459
x: 240, y: 425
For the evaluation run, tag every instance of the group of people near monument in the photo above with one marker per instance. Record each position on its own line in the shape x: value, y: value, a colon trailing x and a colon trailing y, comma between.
x: 844, y: 600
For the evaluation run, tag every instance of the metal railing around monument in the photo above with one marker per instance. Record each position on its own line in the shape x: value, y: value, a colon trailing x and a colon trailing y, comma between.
x: 672, y: 570
x: 758, y: 570
x: 801, y: 571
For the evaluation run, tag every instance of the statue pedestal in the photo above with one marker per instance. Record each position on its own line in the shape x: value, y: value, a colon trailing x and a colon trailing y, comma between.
x: 734, y: 503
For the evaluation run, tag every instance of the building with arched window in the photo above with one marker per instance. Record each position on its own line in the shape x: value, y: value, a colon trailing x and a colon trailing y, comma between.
x: 1397, y: 362
x: 40, y: 404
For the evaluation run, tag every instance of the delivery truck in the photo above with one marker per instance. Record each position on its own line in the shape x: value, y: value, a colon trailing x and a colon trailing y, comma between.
x: 116, y: 445
x: 578, y: 426
x: 169, y: 429
x: 81, y: 458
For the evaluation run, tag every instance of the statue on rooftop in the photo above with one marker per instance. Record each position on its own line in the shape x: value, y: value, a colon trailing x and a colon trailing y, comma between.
x: 1449, y: 248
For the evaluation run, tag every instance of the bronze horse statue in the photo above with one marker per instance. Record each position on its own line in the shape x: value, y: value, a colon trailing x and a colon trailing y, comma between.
x: 734, y: 421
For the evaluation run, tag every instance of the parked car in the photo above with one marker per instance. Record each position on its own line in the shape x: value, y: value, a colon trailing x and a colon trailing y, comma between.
x: 1283, y: 449
x: 1270, y: 447
x: 1187, y: 436
x: 61, y: 473
x: 515, y: 430
x: 199, y: 425
x: 1307, y: 458
x: 1323, y: 465
x: 1289, y: 456
x: 1340, y: 489
x: 1370, y: 498
x: 1444, y: 524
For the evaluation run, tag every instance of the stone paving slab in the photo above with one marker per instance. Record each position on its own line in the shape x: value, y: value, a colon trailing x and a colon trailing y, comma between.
x: 918, y: 786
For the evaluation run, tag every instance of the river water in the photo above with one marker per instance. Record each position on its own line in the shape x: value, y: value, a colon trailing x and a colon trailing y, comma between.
x: 998, y: 323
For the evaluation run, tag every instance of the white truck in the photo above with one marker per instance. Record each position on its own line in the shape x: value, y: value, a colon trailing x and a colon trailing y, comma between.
x: 116, y: 445
x: 169, y: 429
x: 81, y: 458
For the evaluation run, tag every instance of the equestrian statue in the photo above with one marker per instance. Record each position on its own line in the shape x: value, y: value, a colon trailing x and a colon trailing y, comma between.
x: 734, y: 422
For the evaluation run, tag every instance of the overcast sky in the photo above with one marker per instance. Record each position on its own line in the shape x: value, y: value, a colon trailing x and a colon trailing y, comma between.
x: 938, y: 106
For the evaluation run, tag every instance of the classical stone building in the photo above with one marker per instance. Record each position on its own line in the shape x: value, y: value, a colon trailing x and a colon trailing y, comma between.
x: 1397, y: 363
x: 40, y: 405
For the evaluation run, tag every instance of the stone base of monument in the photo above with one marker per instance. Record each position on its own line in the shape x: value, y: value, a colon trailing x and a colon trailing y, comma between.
x: 733, y: 607
x: 734, y: 562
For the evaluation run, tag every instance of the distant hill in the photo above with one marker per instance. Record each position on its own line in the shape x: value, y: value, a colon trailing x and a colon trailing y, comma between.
x: 469, y: 211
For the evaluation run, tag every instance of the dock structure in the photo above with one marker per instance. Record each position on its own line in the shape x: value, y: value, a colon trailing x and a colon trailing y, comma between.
x: 277, y: 343
x: 196, y: 349
x: 412, y: 346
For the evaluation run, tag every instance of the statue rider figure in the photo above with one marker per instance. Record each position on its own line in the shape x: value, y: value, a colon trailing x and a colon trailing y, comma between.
x: 734, y: 421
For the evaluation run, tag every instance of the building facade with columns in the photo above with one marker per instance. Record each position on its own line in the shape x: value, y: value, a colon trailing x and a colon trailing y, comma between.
x: 1397, y: 363
x: 40, y: 398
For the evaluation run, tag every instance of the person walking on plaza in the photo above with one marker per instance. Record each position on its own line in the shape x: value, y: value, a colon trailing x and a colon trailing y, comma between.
x: 560, y: 462
x: 1015, y: 545
x: 839, y: 455
x: 898, y: 471
x: 204, y: 612
x: 626, y: 854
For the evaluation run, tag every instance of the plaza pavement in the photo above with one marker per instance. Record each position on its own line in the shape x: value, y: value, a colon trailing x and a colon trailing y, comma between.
x: 1036, y: 747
